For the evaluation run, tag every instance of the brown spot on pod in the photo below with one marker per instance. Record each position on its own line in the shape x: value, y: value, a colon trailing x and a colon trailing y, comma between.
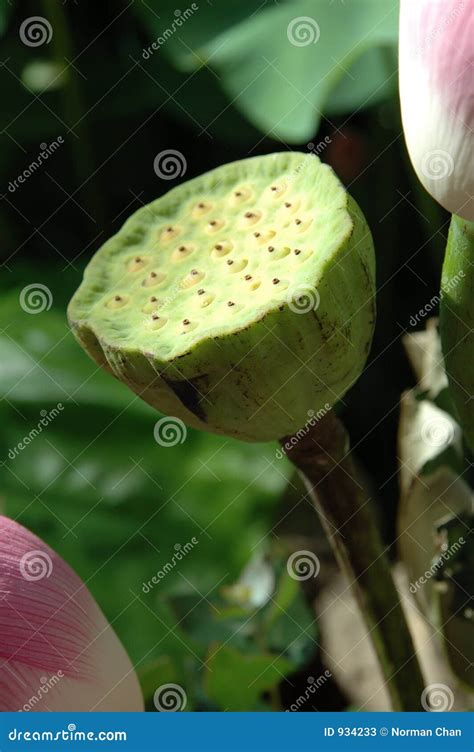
x: 222, y: 248
x: 201, y: 209
x: 214, y: 226
x: 137, y: 263
x: 118, y: 301
x: 251, y: 218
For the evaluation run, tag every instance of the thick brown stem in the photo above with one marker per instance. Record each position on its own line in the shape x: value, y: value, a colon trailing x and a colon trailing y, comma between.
x: 321, y: 454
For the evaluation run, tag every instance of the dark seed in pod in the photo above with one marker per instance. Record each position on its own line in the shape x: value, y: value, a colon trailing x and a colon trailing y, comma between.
x: 152, y: 274
x: 137, y: 260
x: 169, y: 229
x: 248, y: 276
x: 155, y: 317
x: 297, y: 221
x: 213, y: 222
x: 257, y: 234
x: 194, y: 272
x: 249, y: 215
x: 182, y: 248
x: 287, y: 204
x: 297, y: 251
x: 153, y: 299
x: 238, y: 193
x: 274, y: 188
x: 218, y: 247
x: 271, y: 249
x: 118, y: 298
x: 230, y: 303
x: 201, y: 206
x: 186, y: 322
x: 201, y: 292
x: 275, y: 281
x: 230, y: 262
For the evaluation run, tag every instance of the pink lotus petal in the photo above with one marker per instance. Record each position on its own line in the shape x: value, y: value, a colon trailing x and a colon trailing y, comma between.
x: 57, y: 650
x: 437, y: 97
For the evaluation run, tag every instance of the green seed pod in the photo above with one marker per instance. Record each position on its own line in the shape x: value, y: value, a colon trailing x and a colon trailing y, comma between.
x: 457, y: 321
x: 240, y: 301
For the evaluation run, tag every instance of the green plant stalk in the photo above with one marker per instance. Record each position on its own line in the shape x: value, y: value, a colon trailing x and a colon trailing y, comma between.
x: 457, y: 321
x: 322, y: 457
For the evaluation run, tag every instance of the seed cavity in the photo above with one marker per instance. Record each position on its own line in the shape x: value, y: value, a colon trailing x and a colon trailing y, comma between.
x: 152, y: 305
x: 118, y: 301
x: 251, y: 218
x: 236, y: 266
x: 255, y: 285
x: 181, y: 252
x: 290, y: 207
x: 158, y: 322
x: 169, y: 233
x: 264, y: 236
x: 154, y: 278
x: 201, y: 208
x: 214, y: 225
x: 280, y: 253
x: 206, y: 300
x: 222, y: 248
x: 240, y: 196
x: 188, y: 326
x: 192, y: 278
x: 137, y: 263
x: 302, y: 224
x: 277, y: 189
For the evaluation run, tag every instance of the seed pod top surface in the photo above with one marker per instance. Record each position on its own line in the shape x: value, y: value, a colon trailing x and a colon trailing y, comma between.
x: 238, y: 301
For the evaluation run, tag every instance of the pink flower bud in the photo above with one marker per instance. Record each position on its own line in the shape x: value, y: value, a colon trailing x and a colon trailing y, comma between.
x: 57, y: 650
x: 437, y: 97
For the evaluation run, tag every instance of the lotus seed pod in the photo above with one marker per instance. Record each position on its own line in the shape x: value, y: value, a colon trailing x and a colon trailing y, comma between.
x: 238, y: 302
